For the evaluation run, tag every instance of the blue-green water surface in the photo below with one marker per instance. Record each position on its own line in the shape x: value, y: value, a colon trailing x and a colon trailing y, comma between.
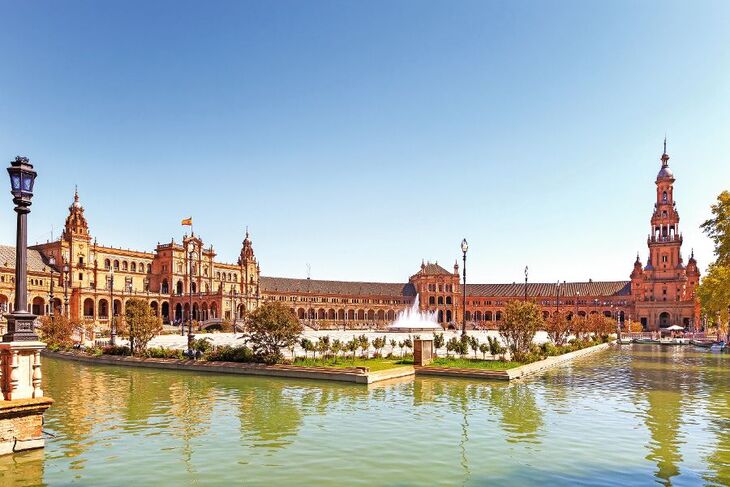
x: 634, y: 415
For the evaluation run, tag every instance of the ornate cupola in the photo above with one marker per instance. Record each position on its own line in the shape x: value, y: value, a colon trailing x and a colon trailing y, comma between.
x: 76, y: 226
x: 247, y: 255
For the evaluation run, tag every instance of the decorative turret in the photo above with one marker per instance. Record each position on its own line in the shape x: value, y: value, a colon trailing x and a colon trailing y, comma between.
x: 638, y: 271
x: 247, y: 254
x: 76, y: 226
x: 456, y: 267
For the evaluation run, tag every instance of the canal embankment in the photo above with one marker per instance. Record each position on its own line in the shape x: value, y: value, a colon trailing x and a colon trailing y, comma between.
x: 357, y: 375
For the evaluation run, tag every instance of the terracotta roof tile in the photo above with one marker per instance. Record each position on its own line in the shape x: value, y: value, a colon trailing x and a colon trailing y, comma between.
x: 350, y: 288
x: 36, y: 262
x: 568, y: 289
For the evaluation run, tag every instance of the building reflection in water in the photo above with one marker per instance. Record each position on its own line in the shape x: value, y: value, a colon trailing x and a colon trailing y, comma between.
x: 665, y: 382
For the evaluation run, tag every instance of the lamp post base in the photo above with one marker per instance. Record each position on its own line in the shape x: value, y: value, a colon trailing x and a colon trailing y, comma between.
x: 20, y: 328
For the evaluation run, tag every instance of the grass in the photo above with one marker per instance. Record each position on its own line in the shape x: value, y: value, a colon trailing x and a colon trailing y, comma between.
x: 341, y: 362
x: 471, y: 363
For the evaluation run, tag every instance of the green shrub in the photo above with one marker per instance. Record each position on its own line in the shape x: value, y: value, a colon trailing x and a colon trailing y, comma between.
x: 201, y: 345
x: 228, y: 353
x: 94, y: 351
x: 162, y: 352
x: 115, y: 350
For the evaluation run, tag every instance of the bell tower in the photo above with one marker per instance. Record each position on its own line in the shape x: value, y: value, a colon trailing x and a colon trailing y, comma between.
x: 250, y: 271
x: 665, y: 241
x: 664, y: 290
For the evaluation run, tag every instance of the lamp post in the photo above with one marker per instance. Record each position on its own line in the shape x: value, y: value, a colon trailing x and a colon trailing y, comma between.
x: 65, y: 289
x: 20, y: 321
x: 191, y: 255
x: 51, y: 264
x: 234, y: 309
x: 464, y: 248
x: 112, y: 326
x: 525, y: 283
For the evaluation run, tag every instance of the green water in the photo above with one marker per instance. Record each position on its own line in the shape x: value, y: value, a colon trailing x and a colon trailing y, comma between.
x: 634, y: 416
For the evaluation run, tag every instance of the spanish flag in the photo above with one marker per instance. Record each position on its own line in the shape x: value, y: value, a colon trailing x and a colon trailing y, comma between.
x: 188, y: 221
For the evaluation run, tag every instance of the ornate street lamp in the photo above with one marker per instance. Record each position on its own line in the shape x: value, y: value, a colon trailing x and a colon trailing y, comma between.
x: 65, y: 289
x: 20, y: 321
x: 51, y: 264
x: 112, y: 324
x: 464, y: 248
x: 234, y: 309
x: 191, y: 255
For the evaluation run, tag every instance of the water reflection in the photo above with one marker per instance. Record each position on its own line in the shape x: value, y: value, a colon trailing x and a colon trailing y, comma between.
x: 209, y: 429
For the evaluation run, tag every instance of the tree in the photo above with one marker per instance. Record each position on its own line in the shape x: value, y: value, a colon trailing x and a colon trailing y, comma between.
x: 599, y: 325
x: 438, y: 342
x: 579, y: 327
x: 353, y: 345
x: 452, y: 346
x: 272, y: 327
x: 474, y: 345
x: 718, y: 228
x: 484, y: 348
x: 520, y: 322
x: 378, y: 344
x: 714, y: 295
x: 58, y: 331
x: 393, y: 344
x: 336, y: 348
x: 408, y: 343
x: 142, y: 324
x: 495, y: 348
x: 323, y: 345
x: 306, y: 345
x: 557, y: 327
x: 364, y: 345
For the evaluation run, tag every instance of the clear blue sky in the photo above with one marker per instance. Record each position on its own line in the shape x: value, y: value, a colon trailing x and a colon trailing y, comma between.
x: 361, y: 137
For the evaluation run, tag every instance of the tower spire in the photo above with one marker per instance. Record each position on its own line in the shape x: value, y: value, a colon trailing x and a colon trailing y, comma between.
x: 665, y: 156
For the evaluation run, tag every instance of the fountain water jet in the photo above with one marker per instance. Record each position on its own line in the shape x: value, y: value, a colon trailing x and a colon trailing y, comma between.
x: 413, y: 319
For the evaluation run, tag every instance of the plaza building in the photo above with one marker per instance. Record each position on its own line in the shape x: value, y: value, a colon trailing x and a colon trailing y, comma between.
x: 182, y: 278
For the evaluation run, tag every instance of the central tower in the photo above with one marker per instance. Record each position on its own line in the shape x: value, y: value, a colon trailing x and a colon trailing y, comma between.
x: 664, y: 290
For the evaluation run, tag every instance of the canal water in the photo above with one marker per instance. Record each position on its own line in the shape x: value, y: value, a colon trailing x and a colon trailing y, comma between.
x: 636, y: 415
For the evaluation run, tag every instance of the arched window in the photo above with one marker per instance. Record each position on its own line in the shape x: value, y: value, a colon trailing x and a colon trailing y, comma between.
x: 125, y: 266
x: 165, y: 287
x: 149, y: 268
x: 431, y: 300
x: 441, y: 300
x: 116, y: 265
x: 107, y: 264
x: 218, y: 275
x: 133, y: 267
x: 179, y: 287
x: 448, y: 299
x: 664, y: 196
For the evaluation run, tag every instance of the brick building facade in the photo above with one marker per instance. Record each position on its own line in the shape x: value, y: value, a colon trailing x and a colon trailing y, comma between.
x: 100, y: 279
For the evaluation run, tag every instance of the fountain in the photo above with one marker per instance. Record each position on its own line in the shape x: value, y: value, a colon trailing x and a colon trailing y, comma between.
x: 413, y: 319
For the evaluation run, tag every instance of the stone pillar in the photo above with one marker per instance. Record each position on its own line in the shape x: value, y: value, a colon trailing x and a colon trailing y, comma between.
x: 20, y: 366
x: 422, y: 352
